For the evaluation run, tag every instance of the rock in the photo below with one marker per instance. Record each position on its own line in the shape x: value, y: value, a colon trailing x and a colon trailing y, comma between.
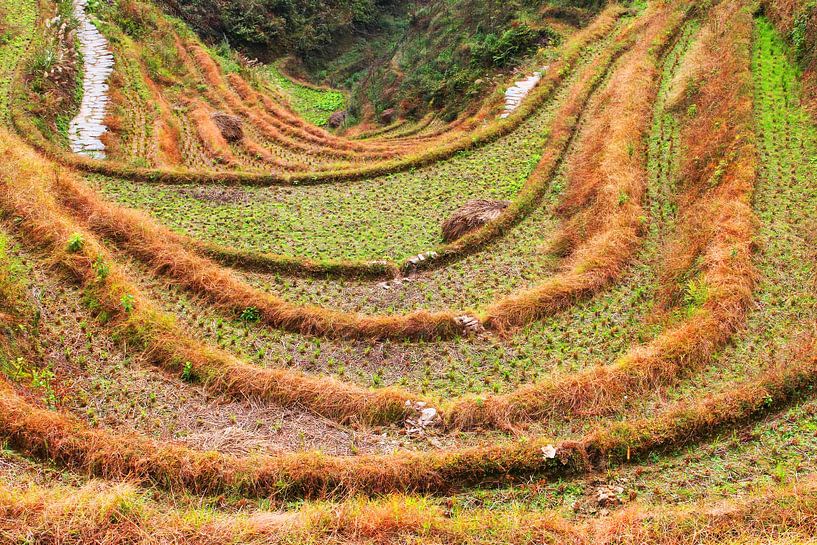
x: 469, y: 323
x: 427, y: 416
x: 417, y: 259
x: 549, y: 452
x: 607, y: 496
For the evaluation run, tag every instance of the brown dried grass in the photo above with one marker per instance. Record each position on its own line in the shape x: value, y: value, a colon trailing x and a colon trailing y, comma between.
x: 209, y: 134
x: 231, y: 126
x: 716, y: 227
x: 603, y: 202
x: 26, y: 181
x: 471, y: 216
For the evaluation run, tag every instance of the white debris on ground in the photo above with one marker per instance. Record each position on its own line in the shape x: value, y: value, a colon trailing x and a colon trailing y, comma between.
x: 603, y: 499
x: 470, y: 323
x: 414, y: 261
x: 520, y: 89
x: 426, y: 416
x: 396, y: 283
x: 549, y: 452
x: 87, y: 127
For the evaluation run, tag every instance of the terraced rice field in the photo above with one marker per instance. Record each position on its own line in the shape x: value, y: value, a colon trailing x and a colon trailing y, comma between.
x: 266, y: 339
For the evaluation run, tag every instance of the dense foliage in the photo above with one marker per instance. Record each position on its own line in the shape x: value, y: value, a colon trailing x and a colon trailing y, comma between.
x: 305, y: 27
x: 414, y: 57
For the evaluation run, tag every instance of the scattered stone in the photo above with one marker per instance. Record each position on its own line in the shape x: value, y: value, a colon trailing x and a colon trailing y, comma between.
x: 602, y: 499
x: 549, y: 452
x: 417, y: 259
x: 426, y: 418
x: 608, y: 496
x: 470, y: 323
x: 395, y: 283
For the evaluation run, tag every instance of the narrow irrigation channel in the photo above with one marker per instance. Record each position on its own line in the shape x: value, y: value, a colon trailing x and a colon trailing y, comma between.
x: 87, y: 128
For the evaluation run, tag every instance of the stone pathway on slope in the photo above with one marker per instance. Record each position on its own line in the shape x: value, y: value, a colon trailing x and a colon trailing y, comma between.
x: 88, y: 126
x: 517, y: 92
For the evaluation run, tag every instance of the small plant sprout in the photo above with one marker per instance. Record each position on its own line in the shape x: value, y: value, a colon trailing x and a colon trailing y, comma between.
x: 75, y: 243
x: 101, y: 268
x: 128, y: 302
x: 187, y: 371
x: 251, y: 315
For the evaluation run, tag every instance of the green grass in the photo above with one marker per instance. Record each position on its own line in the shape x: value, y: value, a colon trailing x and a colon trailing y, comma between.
x: 778, y: 449
x: 785, y: 307
x: 17, y: 26
x: 591, y: 332
x: 313, y: 104
x: 785, y: 203
x: 519, y: 259
x: 391, y: 217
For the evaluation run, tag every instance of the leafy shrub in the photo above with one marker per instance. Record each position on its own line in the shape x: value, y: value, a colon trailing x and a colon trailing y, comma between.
x: 251, y: 315
x: 75, y: 243
x: 127, y: 301
x: 502, y: 50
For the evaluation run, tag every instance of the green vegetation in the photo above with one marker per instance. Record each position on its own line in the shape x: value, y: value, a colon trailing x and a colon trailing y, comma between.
x: 313, y: 104
x: 449, y: 51
x: 393, y: 216
x: 16, y: 31
x: 150, y: 394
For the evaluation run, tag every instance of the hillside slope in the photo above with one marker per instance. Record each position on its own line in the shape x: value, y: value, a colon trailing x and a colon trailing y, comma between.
x: 413, y: 57
x: 584, y: 314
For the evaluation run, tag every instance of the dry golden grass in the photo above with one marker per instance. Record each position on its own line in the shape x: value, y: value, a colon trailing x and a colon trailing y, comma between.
x: 716, y: 224
x: 209, y: 134
x: 100, y: 512
x: 603, y: 202
x: 602, y: 222
x: 480, y: 134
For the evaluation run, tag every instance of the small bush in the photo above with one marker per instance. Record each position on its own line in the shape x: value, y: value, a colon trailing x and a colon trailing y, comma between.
x: 75, y: 243
x: 127, y: 302
x: 251, y: 315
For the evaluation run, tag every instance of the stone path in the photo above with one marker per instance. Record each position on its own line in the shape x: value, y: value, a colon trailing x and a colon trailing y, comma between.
x: 515, y: 94
x: 87, y: 127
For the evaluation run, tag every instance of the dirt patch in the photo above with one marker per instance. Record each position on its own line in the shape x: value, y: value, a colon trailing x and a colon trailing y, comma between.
x: 219, y: 195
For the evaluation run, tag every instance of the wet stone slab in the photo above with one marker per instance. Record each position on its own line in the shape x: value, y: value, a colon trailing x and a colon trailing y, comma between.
x: 519, y: 90
x: 86, y: 129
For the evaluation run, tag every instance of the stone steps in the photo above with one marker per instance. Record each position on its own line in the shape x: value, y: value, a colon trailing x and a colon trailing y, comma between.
x: 519, y: 90
x: 86, y: 129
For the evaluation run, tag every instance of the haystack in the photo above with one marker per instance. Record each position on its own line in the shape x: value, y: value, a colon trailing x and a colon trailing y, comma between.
x: 473, y: 215
x: 337, y: 118
x: 230, y: 126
